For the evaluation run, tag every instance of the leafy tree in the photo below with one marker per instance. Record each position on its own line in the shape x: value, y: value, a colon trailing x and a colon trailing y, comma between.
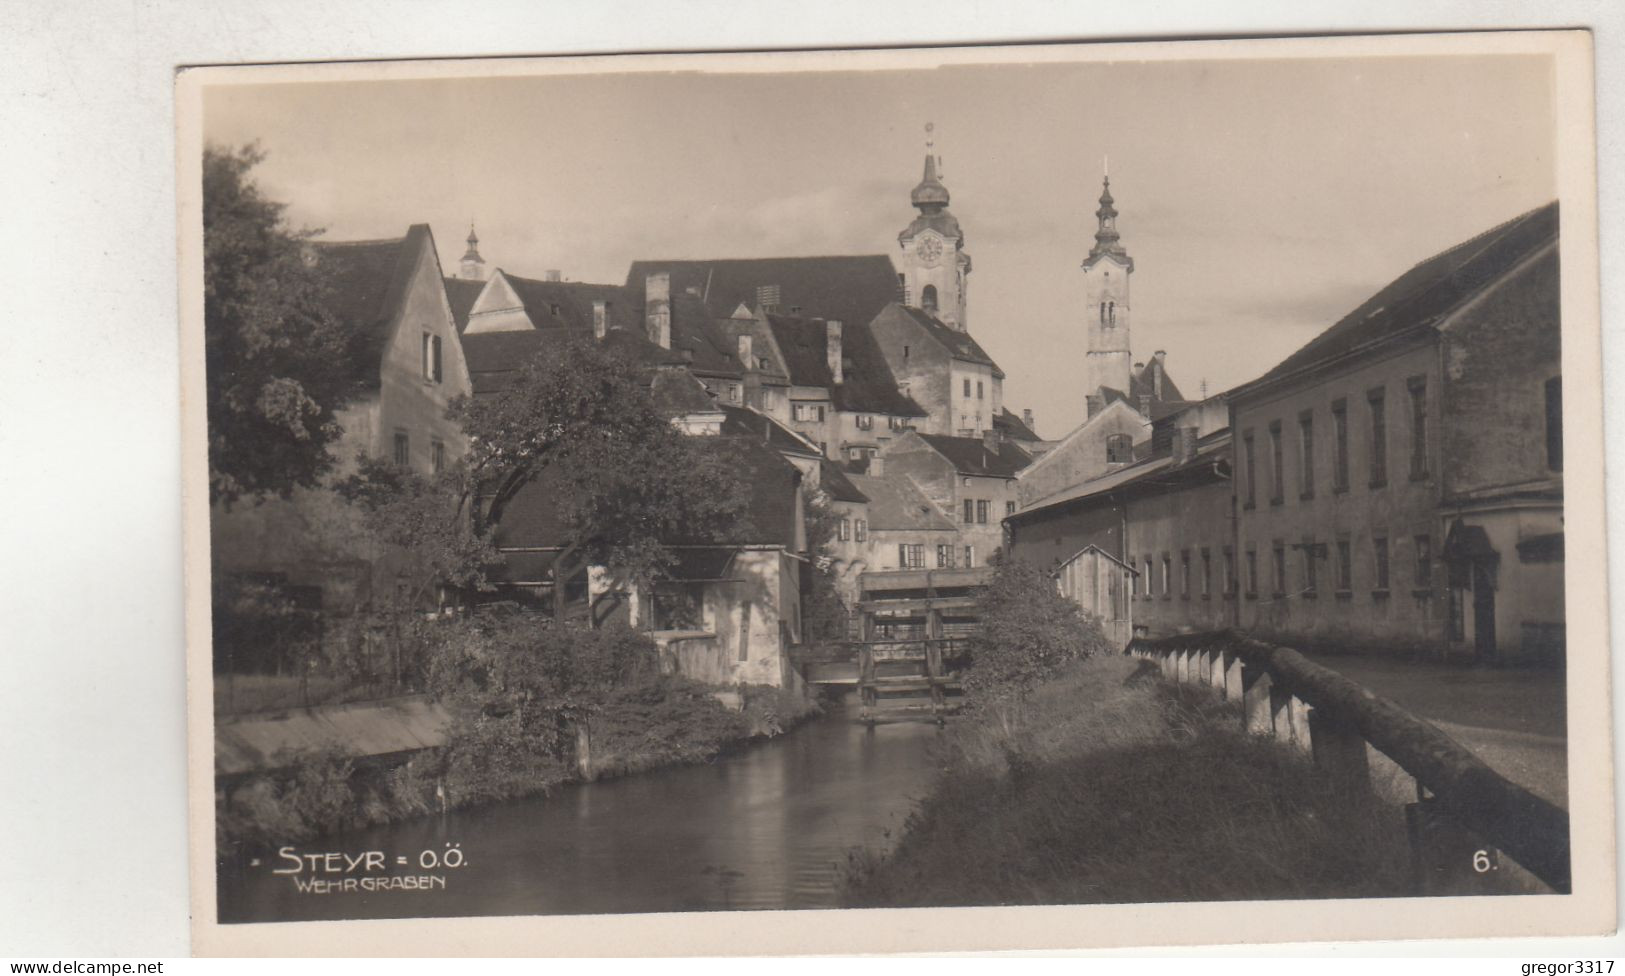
x: 623, y: 481
x: 278, y: 364
x: 1028, y: 631
x: 823, y: 613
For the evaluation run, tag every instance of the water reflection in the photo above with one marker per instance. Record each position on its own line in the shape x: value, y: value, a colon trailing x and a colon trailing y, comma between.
x: 766, y: 828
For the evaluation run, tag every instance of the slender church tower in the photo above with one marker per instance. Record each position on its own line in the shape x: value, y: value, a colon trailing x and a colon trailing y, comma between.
x: 1106, y: 273
x: 473, y: 265
x: 934, y: 262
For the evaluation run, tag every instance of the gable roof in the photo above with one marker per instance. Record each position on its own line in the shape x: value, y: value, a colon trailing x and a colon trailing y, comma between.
x: 969, y: 455
x: 896, y: 504
x: 850, y: 288
x: 367, y: 284
x: 1013, y: 426
x: 573, y: 302
x: 461, y: 293
x: 1427, y: 292
x: 867, y: 384
x: 745, y: 422
x: 960, y: 345
x: 1060, y: 449
x: 677, y: 393
x: 1152, y: 474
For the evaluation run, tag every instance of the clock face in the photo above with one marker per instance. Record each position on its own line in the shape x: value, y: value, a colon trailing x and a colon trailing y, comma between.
x: 930, y: 250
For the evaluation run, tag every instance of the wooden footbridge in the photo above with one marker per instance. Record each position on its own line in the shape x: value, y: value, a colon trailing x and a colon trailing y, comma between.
x: 911, y: 639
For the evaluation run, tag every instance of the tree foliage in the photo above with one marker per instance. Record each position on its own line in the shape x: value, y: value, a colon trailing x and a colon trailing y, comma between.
x: 278, y: 364
x: 823, y: 613
x: 1028, y: 631
x: 623, y: 481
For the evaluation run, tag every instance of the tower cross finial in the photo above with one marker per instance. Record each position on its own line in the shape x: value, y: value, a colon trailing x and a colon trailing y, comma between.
x: 1106, y: 165
x: 930, y: 140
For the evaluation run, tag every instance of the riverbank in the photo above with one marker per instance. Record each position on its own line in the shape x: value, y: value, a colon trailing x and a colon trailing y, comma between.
x: 652, y: 724
x: 1117, y: 787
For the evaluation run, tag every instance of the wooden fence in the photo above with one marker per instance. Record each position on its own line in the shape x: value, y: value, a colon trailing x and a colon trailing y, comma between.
x: 1284, y: 694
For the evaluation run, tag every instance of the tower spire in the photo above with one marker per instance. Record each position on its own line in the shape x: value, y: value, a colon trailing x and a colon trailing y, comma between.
x: 473, y: 266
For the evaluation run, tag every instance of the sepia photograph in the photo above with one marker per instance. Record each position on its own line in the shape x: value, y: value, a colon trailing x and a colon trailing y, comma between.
x: 713, y: 488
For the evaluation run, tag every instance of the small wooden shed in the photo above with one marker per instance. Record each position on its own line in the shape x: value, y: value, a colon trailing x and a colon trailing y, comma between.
x: 1099, y: 582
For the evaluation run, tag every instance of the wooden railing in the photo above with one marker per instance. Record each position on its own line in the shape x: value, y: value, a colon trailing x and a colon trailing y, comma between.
x: 1284, y: 694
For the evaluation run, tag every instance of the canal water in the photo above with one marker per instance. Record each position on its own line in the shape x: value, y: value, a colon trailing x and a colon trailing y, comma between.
x: 767, y: 827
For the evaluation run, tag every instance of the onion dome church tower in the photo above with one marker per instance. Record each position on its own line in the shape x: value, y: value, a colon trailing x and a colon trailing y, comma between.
x: 473, y: 266
x: 934, y: 263
x: 1106, y: 273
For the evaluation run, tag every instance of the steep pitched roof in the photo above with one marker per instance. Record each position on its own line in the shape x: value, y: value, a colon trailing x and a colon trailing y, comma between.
x: 1013, y: 426
x: 1428, y: 291
x: 896, y: 504
x: 867, y: 384
x: 745, y: 422
x: 460, y: 295
x: 1153, y: 474
x: 696, y: 337
x: 850, y: 288
x: 960, y: 345
x: 495, y: 358
x: 569, y: 304
x: 367, y: 283
x: 677, y: 393
x: 838, y: 484
x: 969, y: 455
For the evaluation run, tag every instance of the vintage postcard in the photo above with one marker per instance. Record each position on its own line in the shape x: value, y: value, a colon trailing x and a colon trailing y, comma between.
x: 1087, y: 495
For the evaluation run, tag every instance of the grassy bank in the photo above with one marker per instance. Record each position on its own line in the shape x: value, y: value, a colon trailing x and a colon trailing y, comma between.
x: 1116, y: 787
x: 648, y: 725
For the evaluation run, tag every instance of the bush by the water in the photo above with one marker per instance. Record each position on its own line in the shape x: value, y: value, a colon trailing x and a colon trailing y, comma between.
x: 1121, y: 788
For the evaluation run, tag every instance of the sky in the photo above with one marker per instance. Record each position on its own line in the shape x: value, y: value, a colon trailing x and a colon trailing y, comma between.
x: 1260, y: 199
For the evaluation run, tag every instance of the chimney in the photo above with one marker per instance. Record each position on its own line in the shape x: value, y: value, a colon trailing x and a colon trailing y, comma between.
x: 1027, y: 418
x: 877, y: 466
x: 1156, y: 371
x: 693, y: 291
x: 747, y: 358
x: 600, y: 318
x: 832, y: 350
x: 657, y: 308
x: 1184, y: 445
x: 552, y: 274
x: 993, y: 440
x: 1145, y: 405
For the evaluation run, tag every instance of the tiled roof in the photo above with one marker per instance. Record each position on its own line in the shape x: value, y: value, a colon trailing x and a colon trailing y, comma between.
x: 694, y: 334
x: 495, y: 358
x: 1428, y: 291
x: 867, y: 384
x: 960, y: 345
x: 1147, y: 473
x: 461, y: 294
x: 745, y: 422
x: 969, y: 455
x: 531, y: 520
x: 838, y: 484
x: 896, y: 504
x: 850, y: 288
x: 367, y: 284
x: 573, y: 301
x: 1013, y: 426
x: 677, y: 393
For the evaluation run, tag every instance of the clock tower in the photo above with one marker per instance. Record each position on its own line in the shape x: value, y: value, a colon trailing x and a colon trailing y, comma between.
x: 1106, y: 273
x: 934, y: 263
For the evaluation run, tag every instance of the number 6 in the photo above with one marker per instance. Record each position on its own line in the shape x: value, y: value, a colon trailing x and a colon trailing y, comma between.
x: 1481, y: 861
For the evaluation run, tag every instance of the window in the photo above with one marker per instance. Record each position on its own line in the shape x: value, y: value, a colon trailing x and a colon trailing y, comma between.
x: 1379, y: 547
x: 733, y: 392
x: 967, y: 387
x: 1277, y: 466
x: 820, y: 413
x: 1167, y: 576
x: 1247, y: 460
x: 1309, y: 580
x: 1306, y: 455
x: 1424, y: 562
x: 437, y: 456
x: 1280, y: 569
x: 1252, y: 571
x: 431, y: 357
x: 905, y: 352
x: 902, y: 296
x: 865, y: 422
x: 1345, y: 565
x: 1118, y: 449
x: 844, y: 531
x: 970, y: 511
x: 403, y: 449
x: 1554, y: 424
x: 1009, y: 508
x: 978, y: 389
x: 1418, y: 387
x: 1185, y: 574
x: 1379, y: 436
x: 981, y: 511
x: 1340, y: 445
x: 970, y: 556
x: 910, y: 555
x: 1150, y: 578
x: 1207, y: 573
x: 928, y: 298
x: 860, y: 531
x: 1228, y: 581
x: 945, y: 556
x: 895, y: 423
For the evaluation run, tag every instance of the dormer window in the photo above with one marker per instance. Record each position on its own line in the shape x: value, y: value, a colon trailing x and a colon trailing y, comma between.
x: 553, y: 309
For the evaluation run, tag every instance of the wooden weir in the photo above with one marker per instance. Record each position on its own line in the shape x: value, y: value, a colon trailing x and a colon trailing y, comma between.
x: 914, y: 632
